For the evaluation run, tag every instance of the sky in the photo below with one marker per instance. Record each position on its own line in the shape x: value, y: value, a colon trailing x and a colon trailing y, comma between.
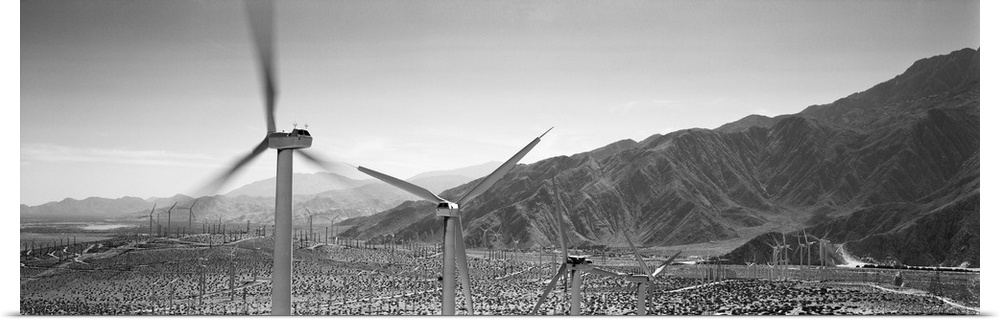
x: 153, y: 98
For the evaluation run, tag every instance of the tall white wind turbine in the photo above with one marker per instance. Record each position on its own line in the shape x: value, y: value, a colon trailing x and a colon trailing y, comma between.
x: 454, y: 243
x: 261, y: 21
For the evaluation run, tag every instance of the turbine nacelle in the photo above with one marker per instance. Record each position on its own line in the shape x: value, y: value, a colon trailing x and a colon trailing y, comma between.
x: 578, y: 261
x: 296, y: 139
x: 447, y: 209
x: 641, y: 278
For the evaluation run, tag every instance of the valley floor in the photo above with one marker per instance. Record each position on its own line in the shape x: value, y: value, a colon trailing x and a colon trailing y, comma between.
x: 162, y: 277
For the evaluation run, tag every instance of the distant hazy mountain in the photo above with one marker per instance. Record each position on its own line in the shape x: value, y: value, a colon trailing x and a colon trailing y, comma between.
x: 302, y: 184
x: 87, y: 207
x: 325, y: 193
x: 438, y: 181
x: 471, y: 172
x: 892, y: 173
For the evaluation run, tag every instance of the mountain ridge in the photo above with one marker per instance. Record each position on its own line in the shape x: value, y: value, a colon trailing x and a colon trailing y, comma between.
x: 900, y: 142
x: 883, y: 171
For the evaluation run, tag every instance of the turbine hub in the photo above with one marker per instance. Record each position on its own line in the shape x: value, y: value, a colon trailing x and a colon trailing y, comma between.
x: 447, y: 209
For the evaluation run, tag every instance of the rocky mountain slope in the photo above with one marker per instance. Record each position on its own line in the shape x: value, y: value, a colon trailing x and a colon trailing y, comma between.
x: 889, y: 174
x: 882, y: 170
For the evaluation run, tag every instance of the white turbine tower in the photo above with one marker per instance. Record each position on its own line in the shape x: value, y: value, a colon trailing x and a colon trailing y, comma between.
x: 453, y: 239
x: 261, y: 18
x: 784, y: 252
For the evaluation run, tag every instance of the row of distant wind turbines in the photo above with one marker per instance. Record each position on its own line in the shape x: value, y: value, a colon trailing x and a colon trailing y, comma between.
x: 260, y: 14
x: 780, y: 257
x: 219, y: 228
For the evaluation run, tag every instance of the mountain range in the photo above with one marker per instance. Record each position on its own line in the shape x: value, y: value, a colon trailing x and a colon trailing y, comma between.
x: 322, y: 193
x: 888, y: 174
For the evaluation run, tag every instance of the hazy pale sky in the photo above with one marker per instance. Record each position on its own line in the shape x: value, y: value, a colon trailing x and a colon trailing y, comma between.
x: 151, y: 98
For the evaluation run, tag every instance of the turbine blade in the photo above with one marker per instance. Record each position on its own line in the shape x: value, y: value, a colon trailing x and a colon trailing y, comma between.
x: 497, y: 174
x: 665, y: 264
x: 261, y: 16
x: 323, y: 162
x: 548, y: 288
x: 463, y: 265
x: 406, y: 186
x: 559, y: 222
x: 213, y: 186
x: 642, y: 263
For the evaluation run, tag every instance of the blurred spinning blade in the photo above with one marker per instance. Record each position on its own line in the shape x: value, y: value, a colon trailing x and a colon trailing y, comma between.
x: 213, y: 186
x: 324, y: 163
x: 261, y: 14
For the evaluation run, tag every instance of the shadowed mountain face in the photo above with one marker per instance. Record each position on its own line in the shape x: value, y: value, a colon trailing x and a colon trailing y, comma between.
x: 882, y: 170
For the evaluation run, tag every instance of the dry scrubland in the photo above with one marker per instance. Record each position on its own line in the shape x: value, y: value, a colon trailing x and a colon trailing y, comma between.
x: 140, y: 276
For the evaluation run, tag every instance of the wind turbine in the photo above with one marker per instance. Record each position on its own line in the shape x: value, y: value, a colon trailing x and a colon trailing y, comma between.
x: 647, y: 278
x: 308, y: 212
x: 784, y: 250
x: 798, y: 248
x: 574, y: 265
x: 808, y: 248
x: 151, y: 220
x: 750, y: 265
x: 191, y: 215
x: 261, y: 18
x: 453, y: 238
x: 168, y: 218
x: 486, y: 242
x: 311, y: 215
x: 825, y: 250
x: 775, y: 257
x: 644, y: 280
